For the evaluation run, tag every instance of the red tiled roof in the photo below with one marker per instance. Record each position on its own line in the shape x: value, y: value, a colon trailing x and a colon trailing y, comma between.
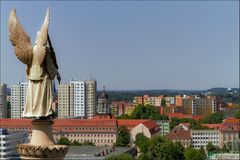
x: 231, y: 120
x: 181, y: 115
x: 213, y: 126
x: 131, y: 123
x: 178, y: 135
x: 15, y: 122
x: 150, y: 124
x: 231, y: 128
x: 63, y: 122
x: 84, y: 123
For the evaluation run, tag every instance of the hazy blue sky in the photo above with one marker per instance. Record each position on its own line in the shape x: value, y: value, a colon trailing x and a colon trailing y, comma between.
x: 134, y: 45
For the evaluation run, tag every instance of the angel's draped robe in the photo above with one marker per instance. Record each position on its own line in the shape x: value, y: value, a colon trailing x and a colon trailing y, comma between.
x: 39, y: 94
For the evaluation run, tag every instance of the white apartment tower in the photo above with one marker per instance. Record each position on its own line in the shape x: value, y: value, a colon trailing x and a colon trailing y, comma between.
x: 77, y: 99
x: 18, y: 99
x: 3, y: 101
x: 91, y: 98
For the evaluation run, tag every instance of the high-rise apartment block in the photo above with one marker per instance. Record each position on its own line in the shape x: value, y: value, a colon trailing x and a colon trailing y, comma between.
x: 3, y: 101
x: 63, y: 100
x: 18, y: 99
x: 91, y: 98
x: 199, y: 106
x: 77, y: 99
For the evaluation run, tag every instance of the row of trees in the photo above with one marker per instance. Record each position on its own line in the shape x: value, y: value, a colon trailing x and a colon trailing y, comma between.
x: 161, y: 148
x: 145, y: 112
x: 152, y: 112
x: 66, y: 141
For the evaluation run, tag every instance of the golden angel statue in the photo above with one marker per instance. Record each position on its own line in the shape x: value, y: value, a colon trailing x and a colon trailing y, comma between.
x: 41, y: 65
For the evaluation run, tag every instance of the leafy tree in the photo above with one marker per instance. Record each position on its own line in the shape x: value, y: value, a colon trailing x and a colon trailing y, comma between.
x: 174, y: 122
x: 163, y: 102
x: 161, y: 148
x: 193, y: 154
x: 225, y: 149
x: 202, y: 151
x: 124, y: 156
x: 75, y: 143
x: 139, y: 112
x: 147, y: 112
x: 237, y: 114
x: 161, y: 117
x: 212, y: 149
x: 123, y: 137
x: 142, y: 142
x: 64, y: 141
x: 88, y: 143
x: 170, y: 151
x: 213, y: 118
x: 124, y: 116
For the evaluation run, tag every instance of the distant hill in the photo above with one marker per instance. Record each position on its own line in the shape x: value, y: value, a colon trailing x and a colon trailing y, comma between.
x: 222, y: 90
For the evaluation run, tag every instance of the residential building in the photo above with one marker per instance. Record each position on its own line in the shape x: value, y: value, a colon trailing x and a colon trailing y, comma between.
x: 230, y: 137
x: 170, y: 101
x: 78, y: 100
x: 230, y: 133
x: 122, y: 107
x: 138, y: 100
x: 184, y: 137
x: 3, y: 101
x: 199, y: 106
x: 100, y: 130
x: 147, y: 127
x: 148, y: 100
x: 203, y: 137
x: 8, y: 142
x: 118, y: 108
x: 18, y: 99
x: 178, y: 99
x: 164, y: 126
x: 91, y: 98
x: 130, y: 107
x: 63, y: 100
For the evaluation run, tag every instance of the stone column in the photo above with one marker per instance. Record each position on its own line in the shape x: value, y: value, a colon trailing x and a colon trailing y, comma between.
x: 42, y: 145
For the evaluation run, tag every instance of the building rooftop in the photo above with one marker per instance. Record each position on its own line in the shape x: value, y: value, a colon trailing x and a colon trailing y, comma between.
x: 93, y: 152
x: 177, y: 135
x: 130, y: 123
x: 181, y: 115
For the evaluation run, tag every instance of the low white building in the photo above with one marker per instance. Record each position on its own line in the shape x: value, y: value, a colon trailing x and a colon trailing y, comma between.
x: 8, y: 143
x: 203, y: 137
x: 227, y: 156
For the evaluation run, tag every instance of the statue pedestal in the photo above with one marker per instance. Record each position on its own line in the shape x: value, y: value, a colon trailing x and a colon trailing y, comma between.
x: 42, y: 146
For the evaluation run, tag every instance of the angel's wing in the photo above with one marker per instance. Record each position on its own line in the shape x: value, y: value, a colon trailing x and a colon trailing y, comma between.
x: 41, y: 40
x: 20, y: 40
